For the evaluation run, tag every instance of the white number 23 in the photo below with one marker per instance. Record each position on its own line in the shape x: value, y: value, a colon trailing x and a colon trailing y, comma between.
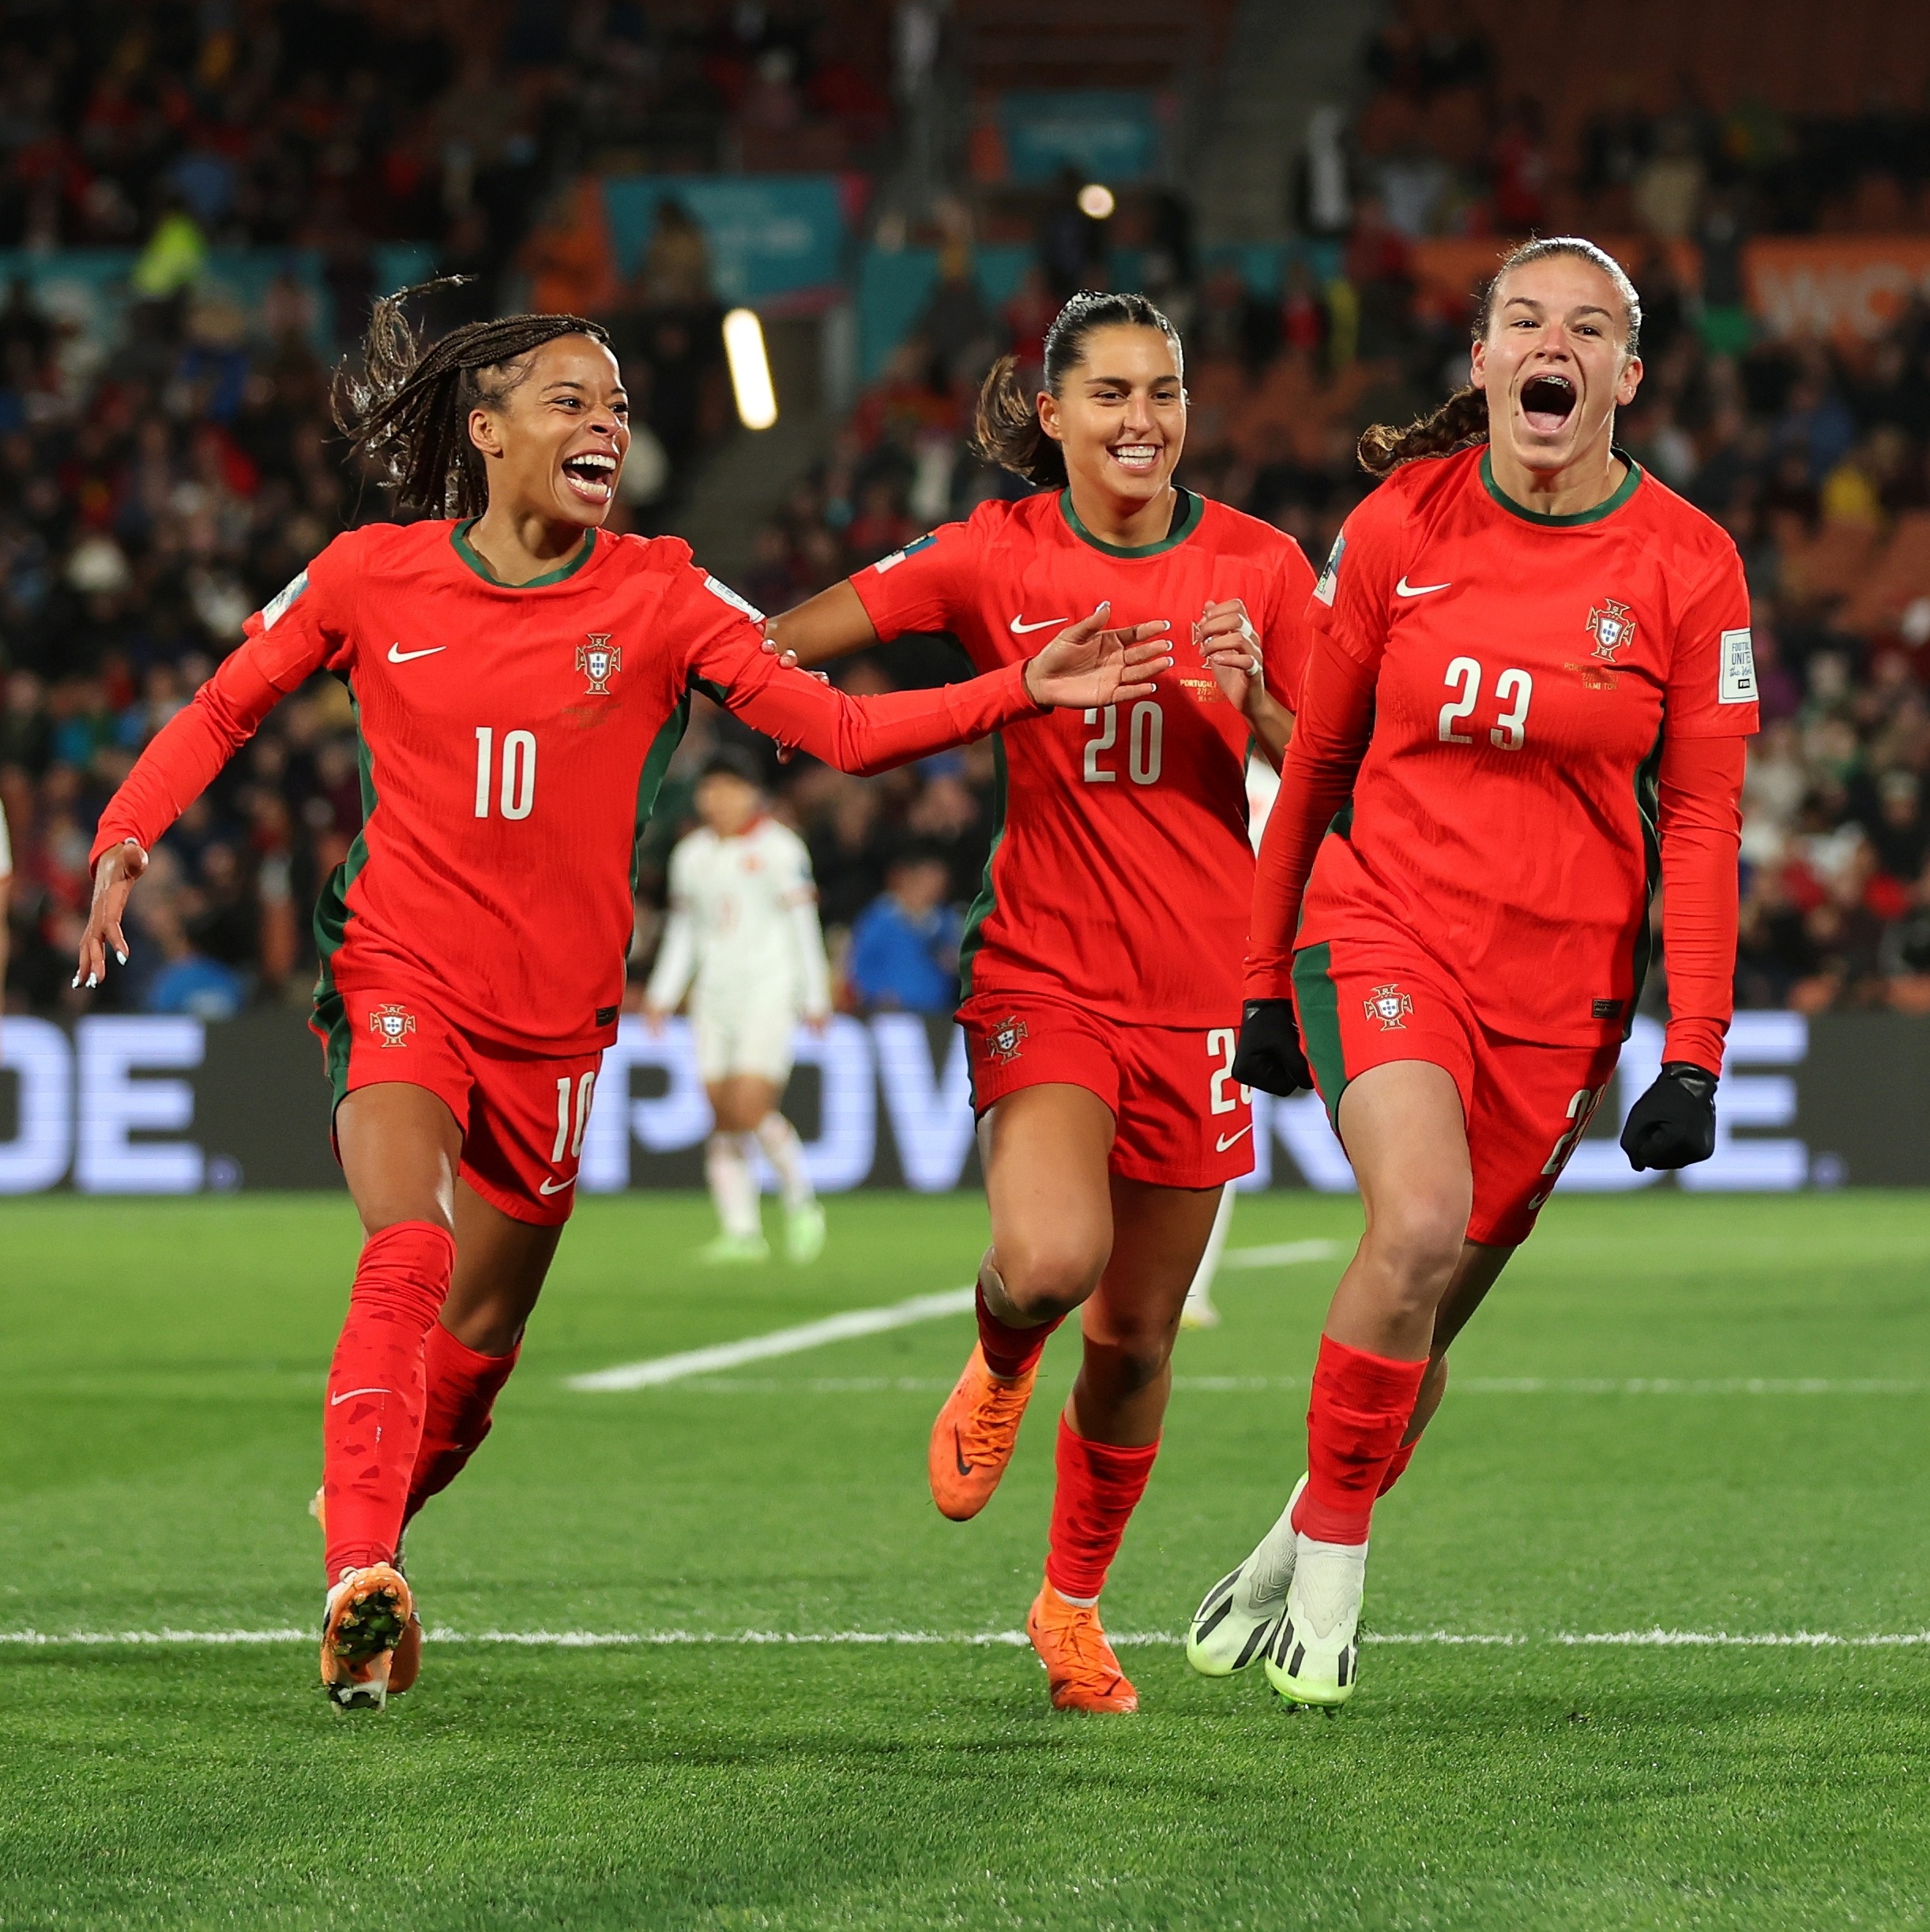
x: 1515, y: 689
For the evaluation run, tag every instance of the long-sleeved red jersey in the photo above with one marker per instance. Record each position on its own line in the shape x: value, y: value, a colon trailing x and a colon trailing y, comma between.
x: 513, y: 740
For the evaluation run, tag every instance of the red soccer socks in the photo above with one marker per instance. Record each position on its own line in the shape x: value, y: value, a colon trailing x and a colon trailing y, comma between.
x: 1009, y: 1352
x: 1396, y: 1467
x: 462, y: 1387
x: 1360, y: 1409
x: 1099, y: 1488
x: 372, y: 1424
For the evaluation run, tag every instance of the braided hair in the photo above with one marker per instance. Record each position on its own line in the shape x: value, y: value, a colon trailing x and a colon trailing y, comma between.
x: 407, y: 408
x: 1462, y: 421
x: 1007, y: 431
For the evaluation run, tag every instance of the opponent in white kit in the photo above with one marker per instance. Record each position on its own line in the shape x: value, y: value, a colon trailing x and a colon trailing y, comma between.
x: 743, y: 926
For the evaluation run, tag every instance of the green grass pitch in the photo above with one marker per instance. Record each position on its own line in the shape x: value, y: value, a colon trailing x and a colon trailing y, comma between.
x: 161, y: 1379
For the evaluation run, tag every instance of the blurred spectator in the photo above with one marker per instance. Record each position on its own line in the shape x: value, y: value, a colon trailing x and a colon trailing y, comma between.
x: 905, y: 947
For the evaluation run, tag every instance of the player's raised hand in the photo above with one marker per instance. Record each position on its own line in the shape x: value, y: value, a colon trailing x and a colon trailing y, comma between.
x: 114, y: 879
x: 1230, y: 646
x: 1089, y: 664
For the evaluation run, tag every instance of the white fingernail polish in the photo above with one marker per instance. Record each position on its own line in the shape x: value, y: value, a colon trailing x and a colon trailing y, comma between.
x: 93, y: 982
x: 121, y: 957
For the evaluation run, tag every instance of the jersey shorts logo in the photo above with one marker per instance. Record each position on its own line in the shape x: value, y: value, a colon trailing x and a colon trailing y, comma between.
x: 1006, y: 1039
x: 1611, y: 627
x: 898, y: 556
x: 394, y: 1023
x: 599, y: 660
x: 1330, y: 575
x: 1389, y: 1006
x: 1738, y: 680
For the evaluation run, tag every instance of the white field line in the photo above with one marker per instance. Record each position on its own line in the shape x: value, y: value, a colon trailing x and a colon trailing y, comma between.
x: 662, y: 1368
x: 1656, y: 1639
x: 1256, y: 1384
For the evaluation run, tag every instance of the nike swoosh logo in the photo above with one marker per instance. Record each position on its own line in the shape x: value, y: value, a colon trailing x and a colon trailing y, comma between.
x: 965, y: 1468
x: 1227, y: 1140
x: 1404, y: 589
x: 1020, y: 626
x: 397, y: 655
x: 335, y: 1401
x: 557, y: 1187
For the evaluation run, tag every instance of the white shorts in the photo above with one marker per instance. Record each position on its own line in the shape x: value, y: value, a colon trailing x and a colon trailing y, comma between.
x: 745, y: 1039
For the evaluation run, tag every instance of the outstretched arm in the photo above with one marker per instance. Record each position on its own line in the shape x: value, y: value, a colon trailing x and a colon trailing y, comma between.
x: 832, y: 624
x: 1329, y: 738
x: 1086, y: 665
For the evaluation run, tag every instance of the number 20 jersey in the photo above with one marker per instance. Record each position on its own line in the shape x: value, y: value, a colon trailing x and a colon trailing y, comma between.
x: 1529, y: 668
x: 1120, y: 875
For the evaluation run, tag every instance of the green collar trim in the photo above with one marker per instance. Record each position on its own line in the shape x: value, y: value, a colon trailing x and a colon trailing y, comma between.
x: 465, y: 550
x: 1191, y: 508
x: 1606, y: 507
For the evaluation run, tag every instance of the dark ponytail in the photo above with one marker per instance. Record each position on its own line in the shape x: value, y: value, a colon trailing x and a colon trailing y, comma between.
x: 1462, y: 421
x: 1007, y: 431
x: 407, y: 409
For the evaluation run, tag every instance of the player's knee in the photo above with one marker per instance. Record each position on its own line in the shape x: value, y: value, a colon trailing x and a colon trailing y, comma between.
x: 1046, y: 1279
x: 1416, y: 1241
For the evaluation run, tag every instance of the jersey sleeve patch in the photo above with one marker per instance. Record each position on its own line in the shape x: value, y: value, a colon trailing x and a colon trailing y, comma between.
x: 1330, y: 574
x: 730, y: 597
x: 898, y: 556
x: 277, y: 607
x: 1737, y: 684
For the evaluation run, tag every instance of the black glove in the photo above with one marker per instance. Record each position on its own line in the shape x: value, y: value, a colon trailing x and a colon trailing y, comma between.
x: 1674, y: 1123
x: 1271, y: 1056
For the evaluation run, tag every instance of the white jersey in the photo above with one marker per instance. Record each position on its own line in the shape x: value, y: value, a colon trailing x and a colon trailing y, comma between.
x: 743, y: 932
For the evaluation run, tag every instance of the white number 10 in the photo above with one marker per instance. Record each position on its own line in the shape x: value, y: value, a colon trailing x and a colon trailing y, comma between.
x: 518, y: 795
x: 1511, y: 729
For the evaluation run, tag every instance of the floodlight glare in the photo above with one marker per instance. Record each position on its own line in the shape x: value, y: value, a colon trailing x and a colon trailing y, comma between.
x: 750, y: 370
x: 1096, y: 200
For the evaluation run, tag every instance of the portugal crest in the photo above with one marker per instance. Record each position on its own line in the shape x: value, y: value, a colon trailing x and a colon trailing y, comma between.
x: 1611, y: 627
x: 1006, y: 1039
x: 393, y: 1023
x: 1389, y: 1006
x: 599, y: 660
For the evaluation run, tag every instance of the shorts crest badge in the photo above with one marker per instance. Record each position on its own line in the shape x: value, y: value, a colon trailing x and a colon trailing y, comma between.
x: 1389, y: 1006
x: 599, y: 660
x: 1006, y: 1039
x: 1611, y: 627
x: 393, y: 1023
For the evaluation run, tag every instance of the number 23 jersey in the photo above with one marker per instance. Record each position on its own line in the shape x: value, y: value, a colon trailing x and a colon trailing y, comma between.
x: 1529, y: 669
x: 1120, y: 875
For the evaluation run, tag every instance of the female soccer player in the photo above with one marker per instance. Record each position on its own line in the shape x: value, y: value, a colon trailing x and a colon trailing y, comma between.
x: 1532, y: 677
x: 1100, y: 967
x: 743, y: 925
x: 519, y: 681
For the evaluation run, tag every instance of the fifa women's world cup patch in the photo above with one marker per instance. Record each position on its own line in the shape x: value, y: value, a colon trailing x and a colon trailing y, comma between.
x: 1389, y: 1006
x: 393, y: 1023
x: 1329, y: 578
x: 599, y: 660
x: 910, y: 550
x: 1006, y: 1039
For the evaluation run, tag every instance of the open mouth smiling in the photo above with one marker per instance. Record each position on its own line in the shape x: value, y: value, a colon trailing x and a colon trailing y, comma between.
x: 1547, y: 402
x: 591, y: 475
x: 1141, y: 458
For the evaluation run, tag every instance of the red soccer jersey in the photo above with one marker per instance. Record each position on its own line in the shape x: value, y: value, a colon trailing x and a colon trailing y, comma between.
x: 513, y: 741
x: 1527, y: 670
x: 1120, y: 875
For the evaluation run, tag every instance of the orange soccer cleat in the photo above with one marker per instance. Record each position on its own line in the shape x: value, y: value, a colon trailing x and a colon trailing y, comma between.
x: 972, y: 1440
x: 405, y: 1665
x: 1081, y: 1670
x: 366, y: 1621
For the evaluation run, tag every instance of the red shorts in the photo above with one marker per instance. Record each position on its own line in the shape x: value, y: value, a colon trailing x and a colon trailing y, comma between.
x: 522, y: 1115
x: 1363, y: 1004
x: 1180, y: 1120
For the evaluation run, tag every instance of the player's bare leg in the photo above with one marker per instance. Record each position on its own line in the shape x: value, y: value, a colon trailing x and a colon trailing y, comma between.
x: 748, y: 1103
x: 739, y: 1104
x: 1044, y: 1151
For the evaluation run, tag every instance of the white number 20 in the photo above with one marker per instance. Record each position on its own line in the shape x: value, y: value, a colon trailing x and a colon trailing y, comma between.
x: 1510, y: 730
x: 1145, y: 736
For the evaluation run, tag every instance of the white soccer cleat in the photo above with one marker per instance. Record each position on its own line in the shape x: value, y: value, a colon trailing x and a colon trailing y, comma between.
x: 1197, y: 1312
x: 1314, y: 1655
x: 804, y: 1234
x: 1240, y: 1613
x: 735, y: 1251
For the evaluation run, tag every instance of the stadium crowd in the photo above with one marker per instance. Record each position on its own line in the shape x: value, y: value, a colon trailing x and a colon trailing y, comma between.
x: 145, y: 509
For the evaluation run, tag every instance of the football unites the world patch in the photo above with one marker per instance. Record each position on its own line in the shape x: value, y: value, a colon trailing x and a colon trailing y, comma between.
x: 599, y: 660
x: 1330, y: 575
x: 1611, y: 627
x: 393, y: 1023
x: 1737, y: 683
x: 1389, y: 1006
